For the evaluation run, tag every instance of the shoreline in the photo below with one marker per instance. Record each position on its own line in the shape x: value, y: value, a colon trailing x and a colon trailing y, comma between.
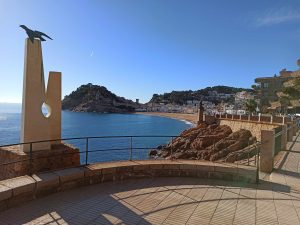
x: 190, y: 118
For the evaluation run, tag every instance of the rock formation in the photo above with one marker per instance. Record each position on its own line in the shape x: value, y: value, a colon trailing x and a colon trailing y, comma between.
x: 209, y: 142
x: 94, y: 98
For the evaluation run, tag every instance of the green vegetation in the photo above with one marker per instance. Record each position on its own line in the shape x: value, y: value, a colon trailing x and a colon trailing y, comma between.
x: 181, y: 97
x: 251, y: 105
x: 293, y: 92
x: 95, y: 98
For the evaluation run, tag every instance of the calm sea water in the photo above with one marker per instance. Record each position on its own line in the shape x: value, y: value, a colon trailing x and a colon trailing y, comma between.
x: 93, y: 124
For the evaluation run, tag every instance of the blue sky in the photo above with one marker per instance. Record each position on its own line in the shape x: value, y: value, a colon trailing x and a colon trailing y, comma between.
x: 136, y: 48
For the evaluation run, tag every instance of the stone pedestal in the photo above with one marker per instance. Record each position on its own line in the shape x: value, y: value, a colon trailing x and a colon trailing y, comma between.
x: 267, y: 150
x: 59, y: 157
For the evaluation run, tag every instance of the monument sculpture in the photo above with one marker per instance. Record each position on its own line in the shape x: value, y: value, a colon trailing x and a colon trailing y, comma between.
x: 35, y: 34
x: 35, y: 126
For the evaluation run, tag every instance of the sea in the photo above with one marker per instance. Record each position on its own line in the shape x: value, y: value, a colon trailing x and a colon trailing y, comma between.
x: 110, y: 127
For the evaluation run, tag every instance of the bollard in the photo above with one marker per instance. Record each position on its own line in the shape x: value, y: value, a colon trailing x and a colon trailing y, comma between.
x: 267, y: 151
x: 284, y: 137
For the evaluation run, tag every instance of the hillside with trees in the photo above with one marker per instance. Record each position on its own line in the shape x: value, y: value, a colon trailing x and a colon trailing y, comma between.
x: 181, y: 97
x: 95, y: 98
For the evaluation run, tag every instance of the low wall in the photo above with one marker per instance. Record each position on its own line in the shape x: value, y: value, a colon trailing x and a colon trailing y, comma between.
x: 15, y: 162
x: 21, y: 189
x: 254, y: 127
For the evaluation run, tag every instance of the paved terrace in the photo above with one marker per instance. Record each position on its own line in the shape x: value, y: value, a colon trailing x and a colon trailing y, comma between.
x: 276, y: 200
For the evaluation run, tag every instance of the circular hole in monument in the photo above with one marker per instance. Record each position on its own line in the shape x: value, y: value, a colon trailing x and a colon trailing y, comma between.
x: 46, y: 110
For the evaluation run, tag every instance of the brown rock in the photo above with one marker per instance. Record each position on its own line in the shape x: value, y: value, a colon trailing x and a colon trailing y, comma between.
x: 209, y: 142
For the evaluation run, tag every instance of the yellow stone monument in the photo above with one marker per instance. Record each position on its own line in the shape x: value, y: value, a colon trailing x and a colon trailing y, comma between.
x: 36, y: 126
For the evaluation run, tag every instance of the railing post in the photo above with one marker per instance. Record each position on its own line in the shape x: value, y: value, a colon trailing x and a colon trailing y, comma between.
x: 289, y: 132
x: 257, y: 164
x: 172, y: 149
x: 214, y: 144
x: 248, y: 153
x: 255, y: 160
x: 283, y: 137
x: 86, y: 150
x: 30, y: 160
x: 130, y: 157
x: 267, y: 150
x: 294, y: 127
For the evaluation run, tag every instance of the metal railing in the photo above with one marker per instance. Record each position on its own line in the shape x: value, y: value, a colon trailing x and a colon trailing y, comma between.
x: 110, y: 148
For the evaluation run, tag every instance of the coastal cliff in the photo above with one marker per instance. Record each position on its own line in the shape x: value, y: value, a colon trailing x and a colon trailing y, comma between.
x: 95, y: 98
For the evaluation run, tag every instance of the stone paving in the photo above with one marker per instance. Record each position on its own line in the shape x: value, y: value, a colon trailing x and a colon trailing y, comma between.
x: 276, y: 200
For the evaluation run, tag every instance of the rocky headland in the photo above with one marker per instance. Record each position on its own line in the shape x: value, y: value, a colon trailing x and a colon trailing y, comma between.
x: 211, y: 142
x: 95, y: 98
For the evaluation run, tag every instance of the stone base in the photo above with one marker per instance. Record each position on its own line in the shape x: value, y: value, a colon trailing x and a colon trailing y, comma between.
x: 15, y: 162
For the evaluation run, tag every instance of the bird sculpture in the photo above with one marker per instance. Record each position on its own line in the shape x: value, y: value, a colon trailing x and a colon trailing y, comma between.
x: 32, y: 34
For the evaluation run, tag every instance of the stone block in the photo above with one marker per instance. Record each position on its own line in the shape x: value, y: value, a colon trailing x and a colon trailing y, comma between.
x: 141, y: 168
x: 205, y: 167
x: 124, y: 169
x: 187, y: 167
x: 72, y: 184
x: 170, y: 166
x: 109, y: 170
x: 46, y: 181
x: 107, y: 177
x: 202, y: 174
x: 222, y: 176
x: 5, y: 192
x: 156, y: 166
x: 20, y: 185
x: 225, y: 168
x: 70, y: 174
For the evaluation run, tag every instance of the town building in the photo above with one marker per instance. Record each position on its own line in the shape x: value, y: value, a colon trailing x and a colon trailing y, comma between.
x: 266, y: 88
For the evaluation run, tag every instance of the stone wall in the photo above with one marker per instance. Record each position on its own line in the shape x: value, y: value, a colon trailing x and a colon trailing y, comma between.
x: 21, y: 189
x: 254, y: 127
x: 15, y: 162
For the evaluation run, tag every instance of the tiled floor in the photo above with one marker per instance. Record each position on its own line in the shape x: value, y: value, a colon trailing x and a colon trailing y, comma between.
x: 275, y: 200
x: 163, y: 201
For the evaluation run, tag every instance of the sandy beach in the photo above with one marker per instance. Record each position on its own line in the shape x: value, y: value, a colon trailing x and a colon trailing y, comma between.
x: 180, y: 116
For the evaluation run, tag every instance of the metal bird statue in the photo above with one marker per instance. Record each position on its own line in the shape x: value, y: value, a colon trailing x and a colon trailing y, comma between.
x: 32, y: 34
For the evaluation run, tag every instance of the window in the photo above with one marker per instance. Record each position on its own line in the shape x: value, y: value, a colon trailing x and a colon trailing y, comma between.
x: 265, y: 85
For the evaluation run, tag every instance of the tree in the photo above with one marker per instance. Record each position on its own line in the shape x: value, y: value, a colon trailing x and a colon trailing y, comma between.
x: 293, y: 92
x: 284, y: 103
x: 251, y: 105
